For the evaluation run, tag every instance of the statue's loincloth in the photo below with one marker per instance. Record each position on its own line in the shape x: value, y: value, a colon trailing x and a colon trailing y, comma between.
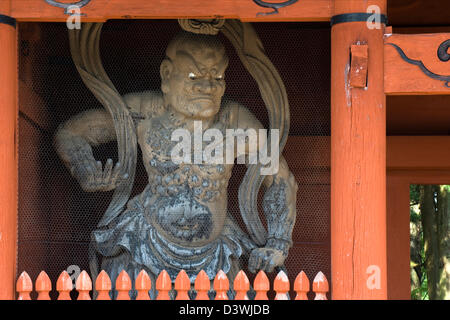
x: 131, y: 234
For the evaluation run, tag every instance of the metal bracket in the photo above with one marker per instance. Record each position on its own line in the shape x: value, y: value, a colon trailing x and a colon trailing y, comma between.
x: 10, y: 21
x: 79, y: 4
x: 274, y: 6
x: 357, y: 17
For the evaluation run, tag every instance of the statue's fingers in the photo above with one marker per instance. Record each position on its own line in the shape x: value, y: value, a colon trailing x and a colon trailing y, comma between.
x: 252, y: 263
x: 98, y: 173
x: 271, y: 266
x: 88, y: 168
x: 85, y: 173
x: 117, y: 170
x: 107, y: 171
x: 265, y: 261
x: 259, y: 260
x: 118, y: 174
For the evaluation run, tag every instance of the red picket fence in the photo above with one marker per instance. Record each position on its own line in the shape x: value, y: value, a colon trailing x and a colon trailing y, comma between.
x: 163, y: 285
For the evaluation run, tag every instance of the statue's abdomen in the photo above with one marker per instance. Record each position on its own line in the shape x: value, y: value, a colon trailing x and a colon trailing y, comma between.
x: 185, y: 219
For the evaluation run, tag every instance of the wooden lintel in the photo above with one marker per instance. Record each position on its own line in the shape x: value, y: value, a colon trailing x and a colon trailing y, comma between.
x: 102, y: 10
x: 412, y: 64
x: 403, y: 153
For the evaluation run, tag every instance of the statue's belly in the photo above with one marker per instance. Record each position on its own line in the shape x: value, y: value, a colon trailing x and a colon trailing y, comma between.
x: 183, y: 219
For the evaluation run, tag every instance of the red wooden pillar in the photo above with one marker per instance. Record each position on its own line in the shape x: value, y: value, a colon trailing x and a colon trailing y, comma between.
x: 358, y: 156
x: 8, y: 151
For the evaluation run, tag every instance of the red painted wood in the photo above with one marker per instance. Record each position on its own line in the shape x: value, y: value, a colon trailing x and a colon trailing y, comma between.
x: 123, y: 286
x: 182, y: 286
x: 8, y: 155
x: 358, y: 161
x: 241, y: 285
x: 64, y: 286
x: 83, y: 286
x: 402, y: 77
x: 143, y: 284
x: 163, y: 285
x: 261, y: 285
x: 101, y: 10
x: 301, y: 286
x: 202, y: 285
x: 43, y: 286
x: 103, y: 286
x: 221, y: 285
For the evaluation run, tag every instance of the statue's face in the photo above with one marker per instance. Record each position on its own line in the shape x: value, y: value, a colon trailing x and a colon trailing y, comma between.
x: 193, y: 81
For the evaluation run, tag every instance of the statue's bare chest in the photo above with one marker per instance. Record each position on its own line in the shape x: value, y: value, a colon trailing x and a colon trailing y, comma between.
x: 204, y: 181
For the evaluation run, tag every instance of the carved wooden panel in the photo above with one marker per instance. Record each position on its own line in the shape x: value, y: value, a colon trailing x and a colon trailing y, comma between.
x: 417, y: 64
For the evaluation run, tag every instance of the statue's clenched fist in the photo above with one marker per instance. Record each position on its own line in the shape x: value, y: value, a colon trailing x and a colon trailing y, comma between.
x: 265, y: 259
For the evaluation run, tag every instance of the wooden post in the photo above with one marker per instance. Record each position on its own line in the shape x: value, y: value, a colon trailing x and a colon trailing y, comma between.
x: 358, y: 159
x: 8, y: 151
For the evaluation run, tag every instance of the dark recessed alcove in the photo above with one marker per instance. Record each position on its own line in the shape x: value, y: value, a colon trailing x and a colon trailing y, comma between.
x: 56, y: 217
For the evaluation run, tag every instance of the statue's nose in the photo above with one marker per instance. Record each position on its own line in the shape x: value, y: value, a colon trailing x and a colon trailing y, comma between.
x: 205, y: 86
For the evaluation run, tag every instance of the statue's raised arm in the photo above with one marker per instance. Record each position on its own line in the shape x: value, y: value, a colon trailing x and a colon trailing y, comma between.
x: 74, y: 140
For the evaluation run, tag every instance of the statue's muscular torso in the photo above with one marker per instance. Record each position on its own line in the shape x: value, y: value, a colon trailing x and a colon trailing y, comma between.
x: 185, y: 203
x: 189, y: 202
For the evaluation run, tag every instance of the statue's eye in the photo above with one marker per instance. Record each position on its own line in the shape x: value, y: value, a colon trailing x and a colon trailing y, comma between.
x: 192, y: 76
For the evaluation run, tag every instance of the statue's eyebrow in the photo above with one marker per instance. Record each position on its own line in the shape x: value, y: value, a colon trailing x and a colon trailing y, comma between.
x: 222, y: 65
x: 186, y: 56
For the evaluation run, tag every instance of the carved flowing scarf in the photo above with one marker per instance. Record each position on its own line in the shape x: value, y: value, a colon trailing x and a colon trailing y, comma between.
x: 84, y: 45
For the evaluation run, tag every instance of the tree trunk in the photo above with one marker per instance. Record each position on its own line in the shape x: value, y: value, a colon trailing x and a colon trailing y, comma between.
x: 443, y: 286
x: 434, y: 207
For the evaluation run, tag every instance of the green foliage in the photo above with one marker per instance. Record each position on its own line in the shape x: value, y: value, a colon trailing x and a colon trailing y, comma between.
x: 421, y: 291
x: 414, y: 199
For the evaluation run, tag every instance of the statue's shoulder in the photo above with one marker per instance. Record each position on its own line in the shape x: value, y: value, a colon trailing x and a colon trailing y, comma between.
x: 235, y: 114
x: 144, y: 104
x: 229, y: 112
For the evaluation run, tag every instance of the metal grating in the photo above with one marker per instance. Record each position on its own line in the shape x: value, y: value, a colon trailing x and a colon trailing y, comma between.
x: 56, y: 217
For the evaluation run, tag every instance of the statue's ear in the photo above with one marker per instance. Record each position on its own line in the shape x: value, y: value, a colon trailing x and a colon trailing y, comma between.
x: 166, y: 69
x: 165, y: 72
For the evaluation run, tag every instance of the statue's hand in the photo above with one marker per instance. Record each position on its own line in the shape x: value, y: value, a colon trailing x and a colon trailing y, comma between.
x: 92, y: 178
x: 265, y: 259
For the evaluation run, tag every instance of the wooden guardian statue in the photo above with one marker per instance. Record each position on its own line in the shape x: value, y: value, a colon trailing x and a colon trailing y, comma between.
x: 180, y: 221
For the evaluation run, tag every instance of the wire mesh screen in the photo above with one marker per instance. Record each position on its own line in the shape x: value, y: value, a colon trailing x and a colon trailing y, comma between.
x: 56, y: 217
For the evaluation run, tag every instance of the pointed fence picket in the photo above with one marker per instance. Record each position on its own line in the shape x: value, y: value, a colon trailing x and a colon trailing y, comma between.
x: 83, y: 286
x: 202, y: 285
x: 143, y: 284
x: 163, y: 285
x: 103, y: 286
x: 64, y: 286
x: 261, y: 285
x: 241, y: 285
x: 301, y: 286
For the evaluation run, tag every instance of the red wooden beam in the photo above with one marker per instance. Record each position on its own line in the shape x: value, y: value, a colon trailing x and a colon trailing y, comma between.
x: 8, y: 154
x: 102, y: 10
x: 403, y: 54
x: 358, y: 161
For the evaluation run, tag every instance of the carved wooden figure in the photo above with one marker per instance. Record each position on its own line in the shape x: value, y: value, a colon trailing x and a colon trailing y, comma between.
x: 180, y: 221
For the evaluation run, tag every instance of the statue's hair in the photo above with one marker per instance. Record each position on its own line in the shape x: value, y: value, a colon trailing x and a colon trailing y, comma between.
x: 194, y: 42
